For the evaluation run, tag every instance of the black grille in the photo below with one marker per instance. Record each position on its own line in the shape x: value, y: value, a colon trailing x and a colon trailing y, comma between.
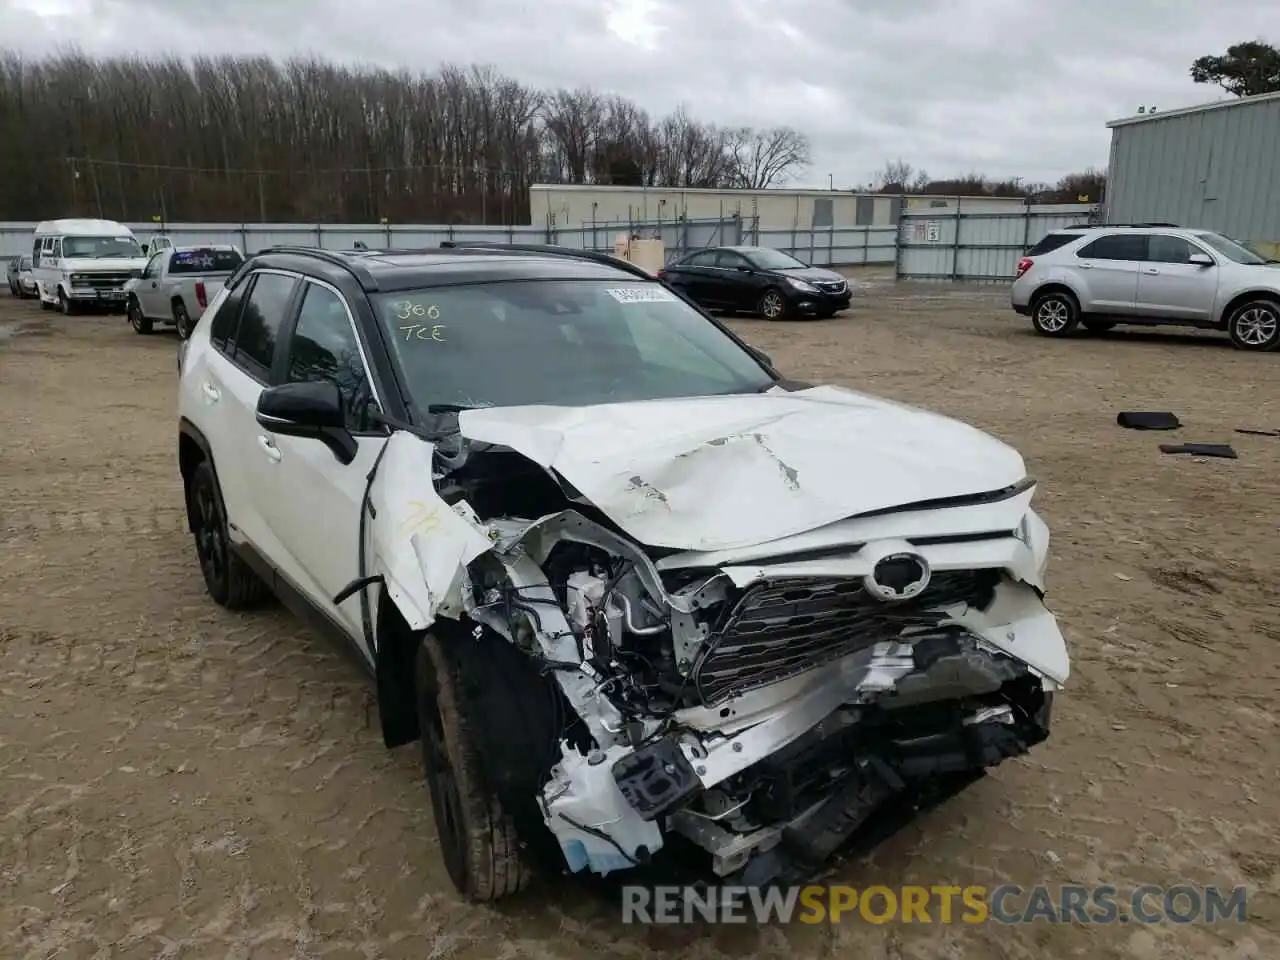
x: 832, y: 286
x: 781, y: 628
x: 101, y: 281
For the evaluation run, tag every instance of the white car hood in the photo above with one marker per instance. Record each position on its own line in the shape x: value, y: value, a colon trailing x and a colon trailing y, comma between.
x: 106, y: 265
x: 718, y: 473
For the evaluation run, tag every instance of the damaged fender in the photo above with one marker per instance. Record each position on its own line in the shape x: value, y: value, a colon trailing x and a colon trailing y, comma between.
x: 420, y: 545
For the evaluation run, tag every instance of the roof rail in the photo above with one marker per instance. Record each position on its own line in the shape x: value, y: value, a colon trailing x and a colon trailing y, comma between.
x: 1104, y: 226
x: 556, y: 251
x: 342, y: 259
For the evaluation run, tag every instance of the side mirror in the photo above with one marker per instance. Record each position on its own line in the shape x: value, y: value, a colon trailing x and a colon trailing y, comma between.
x: 743, y: 268
x: 1200, y: 259
x: 760, y: 355
x: 311, y: 409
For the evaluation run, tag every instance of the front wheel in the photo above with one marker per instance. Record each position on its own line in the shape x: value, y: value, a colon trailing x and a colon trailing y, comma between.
x: 1255, y: 326
x: 459, y: 700
x: 1055, y: 314
x: 772, y: 305
x: 65, y: 306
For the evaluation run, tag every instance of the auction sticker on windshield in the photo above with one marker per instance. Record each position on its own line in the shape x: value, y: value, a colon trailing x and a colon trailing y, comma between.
x: 649, y: 294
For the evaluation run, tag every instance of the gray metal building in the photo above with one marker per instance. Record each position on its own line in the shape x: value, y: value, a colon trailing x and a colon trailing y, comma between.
x: 1214, y: 166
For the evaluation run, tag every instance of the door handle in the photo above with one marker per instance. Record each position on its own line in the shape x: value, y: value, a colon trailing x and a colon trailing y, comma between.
x: 270, y: 449
x: 211, y: 393
x: 1086, y: 266
x: 1151, y: 270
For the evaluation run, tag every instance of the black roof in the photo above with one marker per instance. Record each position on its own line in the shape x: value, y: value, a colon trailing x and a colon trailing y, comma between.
x: 393, y: 270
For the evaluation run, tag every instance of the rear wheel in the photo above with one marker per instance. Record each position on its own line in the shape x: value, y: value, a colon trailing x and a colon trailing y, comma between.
x: 181, y: 319
x: 140, y: 323
x: 1055, y: 314
x: 228, y: 579
x: 1255, y: 326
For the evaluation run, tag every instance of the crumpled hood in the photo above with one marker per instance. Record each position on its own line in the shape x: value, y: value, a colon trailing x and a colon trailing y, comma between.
x: 715, y: 473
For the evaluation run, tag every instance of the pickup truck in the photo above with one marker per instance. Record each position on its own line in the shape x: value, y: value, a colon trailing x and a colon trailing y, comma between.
x: 177, y: 284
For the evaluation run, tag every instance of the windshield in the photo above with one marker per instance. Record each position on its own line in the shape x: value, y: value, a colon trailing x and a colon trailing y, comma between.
x: 100, y: 248
x: 1230, y: 249
x: 767, y: 259
x: 559, y: 342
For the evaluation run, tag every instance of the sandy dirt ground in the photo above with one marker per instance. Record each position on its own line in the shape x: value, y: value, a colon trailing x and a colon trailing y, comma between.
x: 179, y: 781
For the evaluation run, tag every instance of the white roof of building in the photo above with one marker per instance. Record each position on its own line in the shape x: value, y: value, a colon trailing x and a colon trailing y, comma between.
x: 1222, y: 104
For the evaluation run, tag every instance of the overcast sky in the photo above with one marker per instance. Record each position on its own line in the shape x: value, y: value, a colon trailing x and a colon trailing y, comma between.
x: 1005, y: 87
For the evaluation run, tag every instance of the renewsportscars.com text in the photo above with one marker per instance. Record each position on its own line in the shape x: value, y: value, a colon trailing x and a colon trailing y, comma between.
x: 1007, y: 903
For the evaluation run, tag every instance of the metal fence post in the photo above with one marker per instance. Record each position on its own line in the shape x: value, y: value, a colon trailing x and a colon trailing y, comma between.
x: 955, y: 245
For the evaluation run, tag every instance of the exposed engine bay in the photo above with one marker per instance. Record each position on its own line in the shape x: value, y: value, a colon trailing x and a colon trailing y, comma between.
x: 759, y: 702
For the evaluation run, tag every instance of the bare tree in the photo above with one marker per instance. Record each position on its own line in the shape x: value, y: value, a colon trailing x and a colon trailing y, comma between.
x: 306, y: 140
x: 768, y: 158
x: 895, y: 177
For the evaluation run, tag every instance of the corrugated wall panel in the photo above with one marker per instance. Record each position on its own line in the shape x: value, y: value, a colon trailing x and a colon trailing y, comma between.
x: 1216, y: 169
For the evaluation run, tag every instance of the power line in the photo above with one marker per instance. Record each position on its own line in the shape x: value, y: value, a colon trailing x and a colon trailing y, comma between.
x: 295, y: 171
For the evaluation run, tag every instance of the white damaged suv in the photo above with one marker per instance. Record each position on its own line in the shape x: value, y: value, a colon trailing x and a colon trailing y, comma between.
x: 640, y: 598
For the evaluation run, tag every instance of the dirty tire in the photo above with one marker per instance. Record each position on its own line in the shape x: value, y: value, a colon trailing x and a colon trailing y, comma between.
x: 181, y: 319
x: 1055, y: 314
x: 1094, y: 325
x: 1255, y: 325
x: 140, y: 323
x: 478, y: 838
x: 772, y: 305
x: 65, y: 306
x: 230, y: 582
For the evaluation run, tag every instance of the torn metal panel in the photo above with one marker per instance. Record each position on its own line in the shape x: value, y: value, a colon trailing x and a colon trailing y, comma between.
x: 724, y: 472
x: 420, y: 544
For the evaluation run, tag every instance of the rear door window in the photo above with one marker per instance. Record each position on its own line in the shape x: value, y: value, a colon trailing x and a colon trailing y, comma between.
x: 1115, y: 246
x: 707, y: 258
x: 260, y: 321
x: 222, y: 330
x: 1052, y: 242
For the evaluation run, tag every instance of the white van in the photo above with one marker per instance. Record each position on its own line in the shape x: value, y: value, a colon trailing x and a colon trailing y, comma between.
x: 84, y: 263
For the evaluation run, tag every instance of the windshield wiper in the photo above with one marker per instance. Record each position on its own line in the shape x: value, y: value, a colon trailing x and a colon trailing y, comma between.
x: 447, y: 407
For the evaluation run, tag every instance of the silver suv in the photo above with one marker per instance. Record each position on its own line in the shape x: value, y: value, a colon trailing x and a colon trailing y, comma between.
x: 1149, y: 274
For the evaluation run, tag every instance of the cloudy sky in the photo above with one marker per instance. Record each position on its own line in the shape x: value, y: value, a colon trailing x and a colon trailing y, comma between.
x: 1005, y: 87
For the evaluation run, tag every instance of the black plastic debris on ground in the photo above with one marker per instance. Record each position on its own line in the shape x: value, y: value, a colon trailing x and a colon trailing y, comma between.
x: 1259, y: 433
x: 1148, y: 420
x: 1200, y: 449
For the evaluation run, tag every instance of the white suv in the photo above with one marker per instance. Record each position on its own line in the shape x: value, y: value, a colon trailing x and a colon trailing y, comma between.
x: 623, y: 581
x: 1149, y: 274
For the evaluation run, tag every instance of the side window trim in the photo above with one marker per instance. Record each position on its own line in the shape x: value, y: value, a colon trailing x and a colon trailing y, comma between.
x: 280, y: 372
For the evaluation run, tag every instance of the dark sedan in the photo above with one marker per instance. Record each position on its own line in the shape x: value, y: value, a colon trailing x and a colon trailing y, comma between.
x: 757, y: 280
